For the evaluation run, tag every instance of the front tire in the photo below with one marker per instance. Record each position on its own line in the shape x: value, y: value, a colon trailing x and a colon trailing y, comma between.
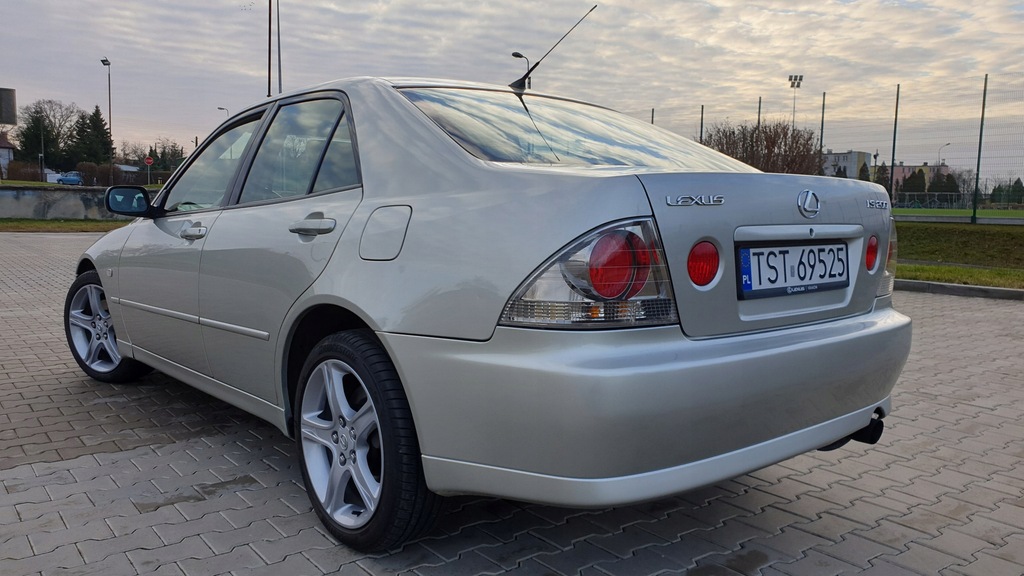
x: 90, y: 333
x: 357, y: 445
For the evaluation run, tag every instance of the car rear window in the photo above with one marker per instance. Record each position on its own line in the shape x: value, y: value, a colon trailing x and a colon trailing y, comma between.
x: 508, y: 127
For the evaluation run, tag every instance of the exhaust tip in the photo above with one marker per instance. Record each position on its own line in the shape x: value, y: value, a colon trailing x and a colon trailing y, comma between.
x: 871, y: 433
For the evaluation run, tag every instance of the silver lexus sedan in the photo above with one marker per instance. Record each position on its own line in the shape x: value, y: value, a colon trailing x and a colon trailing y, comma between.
x: 442, y: 288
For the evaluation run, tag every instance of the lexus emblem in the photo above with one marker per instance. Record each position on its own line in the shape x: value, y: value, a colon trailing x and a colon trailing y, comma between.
x: 808, y: 203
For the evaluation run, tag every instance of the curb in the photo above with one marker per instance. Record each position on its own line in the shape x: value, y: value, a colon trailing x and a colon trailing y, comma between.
x: 960, y: 290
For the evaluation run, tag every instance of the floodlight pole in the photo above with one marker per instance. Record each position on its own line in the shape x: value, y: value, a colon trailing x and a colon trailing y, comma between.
x: 794, y: 83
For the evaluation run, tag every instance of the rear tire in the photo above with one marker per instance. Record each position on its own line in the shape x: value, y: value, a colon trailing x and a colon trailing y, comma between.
x: 90, y: 333
x: 357, y: 445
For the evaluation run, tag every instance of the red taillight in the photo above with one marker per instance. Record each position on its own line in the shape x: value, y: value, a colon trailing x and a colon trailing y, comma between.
x: 702, y: 263
x: 871, y: 254
x: 612, y: 277
x: 619, y: 265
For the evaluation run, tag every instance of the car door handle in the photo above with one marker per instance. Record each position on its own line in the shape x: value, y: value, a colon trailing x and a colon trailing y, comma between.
x: 313, y: 226
x: 192, y: 232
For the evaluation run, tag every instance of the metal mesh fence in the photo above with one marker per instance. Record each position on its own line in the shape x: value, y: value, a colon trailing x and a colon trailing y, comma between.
x: 939, y: 123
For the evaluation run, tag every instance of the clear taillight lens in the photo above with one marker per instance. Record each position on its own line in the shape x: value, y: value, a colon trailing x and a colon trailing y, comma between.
x: 888, y: 282
x: 615, y: 277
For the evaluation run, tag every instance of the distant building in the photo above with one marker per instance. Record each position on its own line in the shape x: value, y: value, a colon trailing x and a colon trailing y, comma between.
x: 6, y: 153
x: 900, y: 172
x: 847, y: 163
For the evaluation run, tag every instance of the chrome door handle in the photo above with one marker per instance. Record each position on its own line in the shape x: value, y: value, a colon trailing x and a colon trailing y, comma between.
x: 193, y: 232
x: 313, y: 226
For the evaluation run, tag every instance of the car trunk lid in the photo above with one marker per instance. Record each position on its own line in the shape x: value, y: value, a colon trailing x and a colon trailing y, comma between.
x: 792, y: 248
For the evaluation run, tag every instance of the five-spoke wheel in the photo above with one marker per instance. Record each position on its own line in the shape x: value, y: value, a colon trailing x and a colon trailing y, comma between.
x: 358, y: 446
x: 90, y: 333
x: 340, y: 438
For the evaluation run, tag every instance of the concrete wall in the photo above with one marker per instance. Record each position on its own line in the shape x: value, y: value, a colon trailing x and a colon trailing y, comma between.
x: 53, y: 203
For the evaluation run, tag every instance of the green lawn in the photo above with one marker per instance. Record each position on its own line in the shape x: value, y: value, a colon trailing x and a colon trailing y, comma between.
x: 30, y: 225
x: 973, y: 254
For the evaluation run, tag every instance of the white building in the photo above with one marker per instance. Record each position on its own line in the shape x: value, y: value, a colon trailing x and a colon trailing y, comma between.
x: 848, y: 163
x: 6, y: 154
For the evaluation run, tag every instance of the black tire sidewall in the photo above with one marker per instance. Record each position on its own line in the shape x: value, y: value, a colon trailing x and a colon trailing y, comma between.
x: 401, y: 458
x: 127, y: 370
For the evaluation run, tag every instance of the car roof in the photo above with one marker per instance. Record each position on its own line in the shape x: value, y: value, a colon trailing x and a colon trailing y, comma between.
x: 358, y: 82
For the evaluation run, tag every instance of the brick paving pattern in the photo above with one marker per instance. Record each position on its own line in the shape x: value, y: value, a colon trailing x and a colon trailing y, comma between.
x: 160, y: 478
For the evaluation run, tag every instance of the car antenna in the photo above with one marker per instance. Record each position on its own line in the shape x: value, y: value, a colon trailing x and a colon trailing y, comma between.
x: 520, y: 84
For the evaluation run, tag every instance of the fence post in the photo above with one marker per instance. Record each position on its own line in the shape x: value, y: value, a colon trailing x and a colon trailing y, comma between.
x: 821, y: 133
x: 981, y: 135
x: 892, y: 167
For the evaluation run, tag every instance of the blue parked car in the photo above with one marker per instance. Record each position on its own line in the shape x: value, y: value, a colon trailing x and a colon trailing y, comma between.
x: 71, y: 179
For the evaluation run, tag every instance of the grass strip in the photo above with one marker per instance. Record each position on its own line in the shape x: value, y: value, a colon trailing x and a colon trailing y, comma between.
x: 30, y: 225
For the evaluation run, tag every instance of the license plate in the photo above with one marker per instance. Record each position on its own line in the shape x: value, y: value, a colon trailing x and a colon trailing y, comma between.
x: 767, y: 271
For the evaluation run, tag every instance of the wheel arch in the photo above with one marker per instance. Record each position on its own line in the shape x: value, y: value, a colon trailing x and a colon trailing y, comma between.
x: 84, y: 265
x: 312, y: 326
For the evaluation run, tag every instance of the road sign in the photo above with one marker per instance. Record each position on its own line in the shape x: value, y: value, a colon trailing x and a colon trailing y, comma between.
x: 149, y: 160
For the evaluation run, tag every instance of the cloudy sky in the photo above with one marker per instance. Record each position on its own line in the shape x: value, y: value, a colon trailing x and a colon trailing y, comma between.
x: 174, y: 62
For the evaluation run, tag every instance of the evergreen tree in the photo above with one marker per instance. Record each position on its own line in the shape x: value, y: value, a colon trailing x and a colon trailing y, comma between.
x: 865, y: 173
x: 36, y: 136
x: 944, y: 188
x: 882, y: 177
x: 1000, y: 194
x: 92, y: 141
x: 1016, y: 195
x: 914, y: 187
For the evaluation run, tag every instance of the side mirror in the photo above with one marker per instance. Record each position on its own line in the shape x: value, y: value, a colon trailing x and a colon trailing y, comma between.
x: 128, y: 201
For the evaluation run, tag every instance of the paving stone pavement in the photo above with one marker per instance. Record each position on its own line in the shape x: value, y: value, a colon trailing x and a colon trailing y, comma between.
x: 160, y: 478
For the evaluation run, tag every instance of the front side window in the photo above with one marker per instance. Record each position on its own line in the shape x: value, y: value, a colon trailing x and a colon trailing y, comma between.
x: 524, y: 128
x: 205, y: 182
x: 288, y: 157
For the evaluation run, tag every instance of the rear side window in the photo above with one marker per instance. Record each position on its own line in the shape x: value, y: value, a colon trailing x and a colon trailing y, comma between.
x: 289, y: 155
x: 525, y: 128
x: 338, y: 170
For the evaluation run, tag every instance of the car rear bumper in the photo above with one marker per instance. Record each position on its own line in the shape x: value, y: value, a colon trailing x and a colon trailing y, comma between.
x: 611, y: 417
x: 468, y: 478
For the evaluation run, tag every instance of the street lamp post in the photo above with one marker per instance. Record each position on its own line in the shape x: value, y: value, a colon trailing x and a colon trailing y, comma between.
x: 226, y: 113
x: 529, y: 82
x: 794, y: 82
x: 110, y: 118
x: 938, y: 165
x: 938, y: 156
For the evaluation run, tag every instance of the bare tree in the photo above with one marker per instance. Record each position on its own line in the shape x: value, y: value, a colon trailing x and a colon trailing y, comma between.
x: 60, y: 118
x: 965, y: 184
x: 770, y: 147
x: 133, y: 153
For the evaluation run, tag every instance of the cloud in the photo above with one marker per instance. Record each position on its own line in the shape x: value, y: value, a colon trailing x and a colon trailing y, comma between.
x: 174, y: 63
